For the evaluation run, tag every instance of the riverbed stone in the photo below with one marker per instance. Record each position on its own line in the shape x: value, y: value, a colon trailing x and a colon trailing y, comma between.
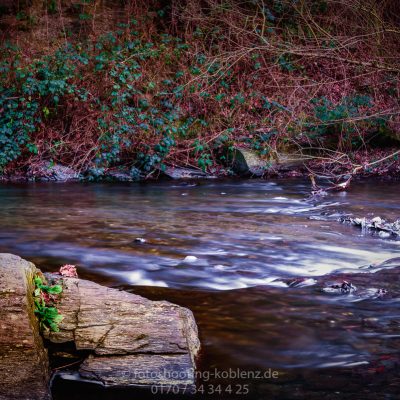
x: 184, y: 173
x: 23, y: 358
x: 126, y: 334
x: 246, y: 162
x: 123, y: 175
x: 119, y: 176
x: 377, y: 224
x: 48, y: 171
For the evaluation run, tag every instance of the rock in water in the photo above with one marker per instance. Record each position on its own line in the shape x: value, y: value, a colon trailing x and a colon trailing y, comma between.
x: 47, y: 171
x: 190, y: 259
x: 23, y: 359
x: 119, y: 176
x: 184, y: 173
x: 122, y: 339
x: 344, y: 287
x: 384, y: 228
x: 131, y: 340
x: 247, y: 162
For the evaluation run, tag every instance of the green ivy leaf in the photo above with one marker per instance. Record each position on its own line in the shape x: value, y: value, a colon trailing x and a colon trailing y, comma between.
x: 56, y: 289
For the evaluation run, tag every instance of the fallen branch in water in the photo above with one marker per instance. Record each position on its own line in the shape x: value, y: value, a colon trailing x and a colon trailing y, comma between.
x: 341, y: 181
x: 319, y: 191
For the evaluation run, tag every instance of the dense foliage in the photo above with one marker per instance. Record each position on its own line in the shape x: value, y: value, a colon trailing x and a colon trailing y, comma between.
x: 161, y: 85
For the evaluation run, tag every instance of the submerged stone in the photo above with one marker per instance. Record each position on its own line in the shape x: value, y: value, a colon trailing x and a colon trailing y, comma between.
x: 344, y: 287
x: 119, y: 176
x: 185, y: 173
x: 123, y: 175
x: 384, y: 228
x: 190, y: 259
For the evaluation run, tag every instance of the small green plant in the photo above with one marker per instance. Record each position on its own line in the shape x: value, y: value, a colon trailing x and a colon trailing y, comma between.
x: 49, y: 317
x: 41, y: 287
x: 45, y: 297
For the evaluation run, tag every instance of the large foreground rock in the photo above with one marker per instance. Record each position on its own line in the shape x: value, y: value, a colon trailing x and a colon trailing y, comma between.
x: 119, y: 339
x: 23, y: 359
x: 131, y: 340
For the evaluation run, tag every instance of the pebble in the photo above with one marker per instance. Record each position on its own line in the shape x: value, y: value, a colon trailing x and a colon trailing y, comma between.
x: 190, y: 259
x: 384, y: 235
x: 343, y: 288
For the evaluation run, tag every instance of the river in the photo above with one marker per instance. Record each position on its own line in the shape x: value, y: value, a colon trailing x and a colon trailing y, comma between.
x: 233, y: 252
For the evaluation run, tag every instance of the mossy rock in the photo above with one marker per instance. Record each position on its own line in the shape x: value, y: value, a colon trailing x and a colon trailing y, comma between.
x: 245, y: 162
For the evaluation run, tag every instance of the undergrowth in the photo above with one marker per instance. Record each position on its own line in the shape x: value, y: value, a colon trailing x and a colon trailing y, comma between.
x: 164, y: 87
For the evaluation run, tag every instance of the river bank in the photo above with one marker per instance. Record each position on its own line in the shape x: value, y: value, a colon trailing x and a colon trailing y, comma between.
x: 339, y: 167
x: 128, y: 93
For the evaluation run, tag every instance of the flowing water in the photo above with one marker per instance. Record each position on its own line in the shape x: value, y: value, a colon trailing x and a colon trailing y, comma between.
x: 231, y: 251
